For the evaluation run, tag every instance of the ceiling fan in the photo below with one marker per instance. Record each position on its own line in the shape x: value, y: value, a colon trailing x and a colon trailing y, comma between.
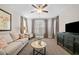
x: 39, y: 8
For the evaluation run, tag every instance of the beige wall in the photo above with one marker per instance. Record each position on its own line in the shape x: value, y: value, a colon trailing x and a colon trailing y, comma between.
x: 67, y: 13
x: 15, y: 17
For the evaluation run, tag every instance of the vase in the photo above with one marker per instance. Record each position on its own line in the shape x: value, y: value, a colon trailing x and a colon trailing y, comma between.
x: 39, y: 42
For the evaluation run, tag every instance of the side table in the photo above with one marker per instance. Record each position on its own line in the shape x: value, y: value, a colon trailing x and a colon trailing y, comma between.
x: 37, y: 48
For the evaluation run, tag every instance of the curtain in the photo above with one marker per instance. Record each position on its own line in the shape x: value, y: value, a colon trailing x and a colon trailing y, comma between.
x: 52, y: 28
x: 46, y: 29
x: 57, y: 24
x: 33, y: 20
x: 23, y: 25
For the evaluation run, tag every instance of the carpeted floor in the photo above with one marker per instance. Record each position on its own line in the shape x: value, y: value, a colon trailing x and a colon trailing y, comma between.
x: 52, y: 48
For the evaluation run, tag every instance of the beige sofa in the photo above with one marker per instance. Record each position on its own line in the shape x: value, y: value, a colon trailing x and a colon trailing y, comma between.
x: 13, y: 46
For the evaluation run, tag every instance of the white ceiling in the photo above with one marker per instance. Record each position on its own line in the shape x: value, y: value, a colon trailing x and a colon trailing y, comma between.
x: 25, y: 9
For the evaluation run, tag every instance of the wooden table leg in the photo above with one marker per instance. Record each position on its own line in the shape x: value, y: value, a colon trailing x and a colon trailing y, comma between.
x: 44, y: 50
x: 33, y: 51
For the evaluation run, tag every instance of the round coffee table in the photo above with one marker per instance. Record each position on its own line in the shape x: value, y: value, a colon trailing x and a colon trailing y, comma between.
x: 39, y: 47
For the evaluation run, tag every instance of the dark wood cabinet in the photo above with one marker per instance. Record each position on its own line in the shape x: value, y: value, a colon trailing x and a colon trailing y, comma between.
x: 69, y: 42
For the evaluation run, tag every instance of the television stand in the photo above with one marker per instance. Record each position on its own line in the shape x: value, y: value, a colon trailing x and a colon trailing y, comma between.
x: 69, y: 41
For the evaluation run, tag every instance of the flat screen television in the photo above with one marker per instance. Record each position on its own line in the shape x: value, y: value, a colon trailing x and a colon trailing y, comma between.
x: 72, y: 27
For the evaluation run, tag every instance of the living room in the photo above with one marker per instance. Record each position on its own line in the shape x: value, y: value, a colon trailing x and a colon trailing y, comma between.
x: 31, y: 25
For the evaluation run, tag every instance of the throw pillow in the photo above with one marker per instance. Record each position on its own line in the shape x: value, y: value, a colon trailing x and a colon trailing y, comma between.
x: 21, y: 36
x: 3, y: 43
x: 14, y: 35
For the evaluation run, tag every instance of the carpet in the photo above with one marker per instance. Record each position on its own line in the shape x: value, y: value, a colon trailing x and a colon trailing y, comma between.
x: 51, y: 49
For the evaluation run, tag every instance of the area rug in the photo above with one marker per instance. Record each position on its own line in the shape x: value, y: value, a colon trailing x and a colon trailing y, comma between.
x: 51, y: 49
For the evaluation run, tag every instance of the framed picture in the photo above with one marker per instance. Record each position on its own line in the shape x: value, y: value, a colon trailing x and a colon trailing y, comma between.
x: 5, y: 21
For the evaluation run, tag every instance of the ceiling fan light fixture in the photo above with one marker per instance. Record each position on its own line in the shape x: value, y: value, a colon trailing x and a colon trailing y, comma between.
x: 39, y: 10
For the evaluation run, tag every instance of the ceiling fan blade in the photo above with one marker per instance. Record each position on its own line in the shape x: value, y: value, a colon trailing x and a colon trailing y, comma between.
x: 39, y: 5
x: 45, y: 11
x: 34, y: 6
x: 45, y: 6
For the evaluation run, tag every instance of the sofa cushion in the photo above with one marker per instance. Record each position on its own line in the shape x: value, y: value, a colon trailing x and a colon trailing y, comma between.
x: 24, y: 40
x: 3, y: 43
x: 23, y: 36
x: 12, y: 48
x: 14, y: 35
x: 6, y: 37
x: 2, y: 52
